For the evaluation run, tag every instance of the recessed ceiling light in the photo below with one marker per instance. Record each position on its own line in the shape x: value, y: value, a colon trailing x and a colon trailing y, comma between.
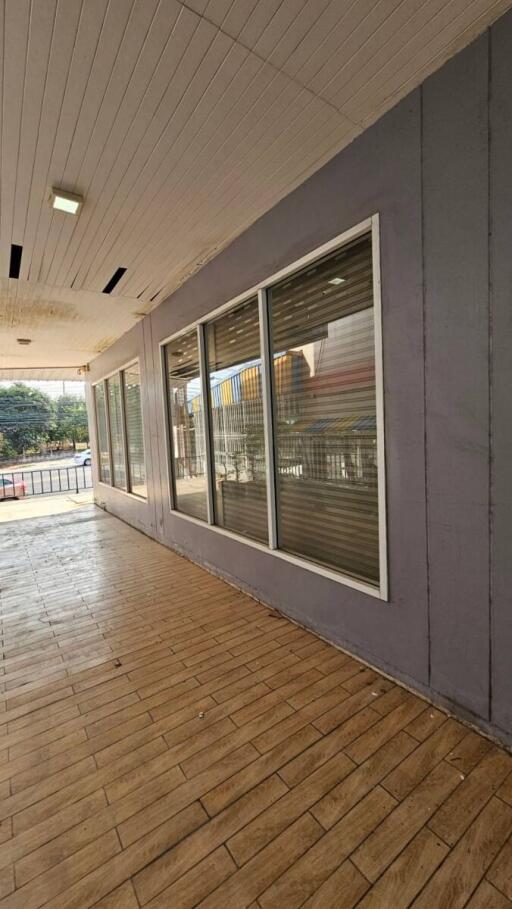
x: 337, y: 280
x: 70, y: 203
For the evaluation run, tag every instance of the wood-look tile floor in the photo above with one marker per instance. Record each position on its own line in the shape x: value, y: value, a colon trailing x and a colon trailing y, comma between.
x: 168, y: 742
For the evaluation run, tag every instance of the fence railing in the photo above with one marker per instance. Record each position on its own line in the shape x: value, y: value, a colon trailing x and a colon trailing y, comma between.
x: 20, y: 483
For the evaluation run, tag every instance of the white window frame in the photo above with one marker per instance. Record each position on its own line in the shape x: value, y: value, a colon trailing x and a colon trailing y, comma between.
x: 103, y: 381
x: 107, y: 427
x: 369, y: 225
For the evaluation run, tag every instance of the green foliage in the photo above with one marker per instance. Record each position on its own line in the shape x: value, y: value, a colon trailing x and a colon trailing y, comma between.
x: 6, y: 449
x: 29, y: 419
x: 70, y: 420
x: 26, y: 417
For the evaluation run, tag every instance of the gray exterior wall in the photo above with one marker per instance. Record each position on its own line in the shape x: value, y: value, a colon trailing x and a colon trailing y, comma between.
x: 437, y: 169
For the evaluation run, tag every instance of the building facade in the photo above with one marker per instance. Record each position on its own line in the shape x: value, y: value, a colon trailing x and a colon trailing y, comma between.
x: 322, y: 414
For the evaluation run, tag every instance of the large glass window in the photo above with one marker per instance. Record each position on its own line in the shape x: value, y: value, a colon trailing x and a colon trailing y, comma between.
x: 101, y: 423
x: 322, y: 327
x: 116, y: 430
x: 290, y: 450
x: 237, y: 429
x: 120, y: 434
x: 134, y: 431
x: 187, y: 425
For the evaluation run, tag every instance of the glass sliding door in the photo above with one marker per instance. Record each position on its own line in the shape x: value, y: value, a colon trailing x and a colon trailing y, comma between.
x: 236, y: 420
x: 102, y: 428
x: 325, y: 432
x: 187, y: 425
x: 134, y: 431
x: 116, y: 430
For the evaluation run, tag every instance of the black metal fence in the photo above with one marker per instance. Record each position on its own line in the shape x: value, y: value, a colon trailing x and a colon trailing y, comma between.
x: 19, y: 483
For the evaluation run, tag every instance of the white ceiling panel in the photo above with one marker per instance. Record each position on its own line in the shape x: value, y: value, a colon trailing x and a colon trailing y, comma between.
x: 180, y: 123
x: 53, y: 318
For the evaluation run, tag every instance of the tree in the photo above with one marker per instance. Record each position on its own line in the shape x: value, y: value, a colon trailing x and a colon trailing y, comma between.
x: 70, y: 420
x: 26, y: 418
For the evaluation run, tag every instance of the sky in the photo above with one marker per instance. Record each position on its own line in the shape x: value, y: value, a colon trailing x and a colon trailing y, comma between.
x: 53, y: 388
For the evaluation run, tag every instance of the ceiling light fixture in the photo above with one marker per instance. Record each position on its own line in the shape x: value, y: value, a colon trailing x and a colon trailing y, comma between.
x: 337, y: 280
x: 70, y: 203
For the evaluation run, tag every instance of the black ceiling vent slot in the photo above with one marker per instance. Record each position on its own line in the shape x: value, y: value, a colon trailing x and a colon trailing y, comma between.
x: 115, y: 279
x: 15, y: 263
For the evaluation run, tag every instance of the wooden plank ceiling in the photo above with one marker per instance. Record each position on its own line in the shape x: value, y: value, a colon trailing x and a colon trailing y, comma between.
x: 180, y: 124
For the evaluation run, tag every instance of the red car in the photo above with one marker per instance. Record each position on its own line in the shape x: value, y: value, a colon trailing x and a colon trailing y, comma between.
x: 11, y: 488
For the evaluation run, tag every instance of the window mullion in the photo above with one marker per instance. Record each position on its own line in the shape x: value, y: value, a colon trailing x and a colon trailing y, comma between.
x: 379, y: 395
x: 203, y: 368
x: 97, y: 427
x: 168, y: 431
x: 109, y: 439
x: 124, y: 433
x: 268, y: 420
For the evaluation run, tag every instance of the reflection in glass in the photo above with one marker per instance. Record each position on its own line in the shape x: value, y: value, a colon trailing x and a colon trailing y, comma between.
x: 116, y: 431
x: 325, y: 412
x: 101, y: 423
x: 233, y: 345
x: 187, y: 425
x: 134, y: 431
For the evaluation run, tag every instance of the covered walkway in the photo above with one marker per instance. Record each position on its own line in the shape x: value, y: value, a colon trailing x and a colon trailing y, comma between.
x: 169, y: 742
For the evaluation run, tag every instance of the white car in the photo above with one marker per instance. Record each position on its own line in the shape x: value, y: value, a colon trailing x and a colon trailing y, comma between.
x: 83, y: 458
